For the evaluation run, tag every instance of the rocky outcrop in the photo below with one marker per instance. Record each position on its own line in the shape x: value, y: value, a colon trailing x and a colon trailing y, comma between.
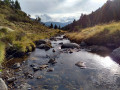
x: 70, y: 45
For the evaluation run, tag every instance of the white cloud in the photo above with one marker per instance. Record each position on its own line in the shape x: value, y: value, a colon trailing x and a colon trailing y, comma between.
x: 58, y: 9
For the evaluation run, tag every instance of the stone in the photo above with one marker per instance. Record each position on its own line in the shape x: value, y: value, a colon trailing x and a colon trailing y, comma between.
x: 35, y: 68
x: 116, y: 54
x: 25, y: 86
x: 52, y: 61
x: 80, y: 64
x: 10, y: 80
x: 70, y: 45
x: 43, y: 67
x: 44, y: 46
x: 53, y: 50
x: 40, y: 77
x: 3, y: 86
x: 50, y: 70
x: 16, y: 66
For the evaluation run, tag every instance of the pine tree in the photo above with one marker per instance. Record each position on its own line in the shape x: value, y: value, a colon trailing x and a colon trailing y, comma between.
x: 55, y: 27
x: 59, y: 27
x: 51, y: 26
x: 7, y: 2
x: 17, y: 5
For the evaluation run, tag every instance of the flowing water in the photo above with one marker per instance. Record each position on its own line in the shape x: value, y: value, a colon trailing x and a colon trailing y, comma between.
x: 101, y: 73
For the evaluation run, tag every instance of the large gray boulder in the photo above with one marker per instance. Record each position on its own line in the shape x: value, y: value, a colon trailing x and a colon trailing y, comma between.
x: 3, y: 86
x: 70, y: 45
x: 116, y: 54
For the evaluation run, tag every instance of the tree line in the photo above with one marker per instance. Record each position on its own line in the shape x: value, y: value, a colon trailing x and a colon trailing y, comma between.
x: 13, y: 4
x: 54, y: 26
x: 108, y: 12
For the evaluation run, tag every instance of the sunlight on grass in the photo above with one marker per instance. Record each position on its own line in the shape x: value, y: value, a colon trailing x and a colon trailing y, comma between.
x: 99, y: 34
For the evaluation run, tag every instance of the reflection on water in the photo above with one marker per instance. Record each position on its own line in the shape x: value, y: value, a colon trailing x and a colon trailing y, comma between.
x: 102, y: 73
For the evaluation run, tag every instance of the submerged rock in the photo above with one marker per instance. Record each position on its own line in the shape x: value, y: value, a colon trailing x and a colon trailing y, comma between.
x: 25, y: 86
x: 52, y: 61
x: 3, y: 86
x: 50, y: 70
x: 70, y: 45
x: 43, y: 67
x: 80, y: 64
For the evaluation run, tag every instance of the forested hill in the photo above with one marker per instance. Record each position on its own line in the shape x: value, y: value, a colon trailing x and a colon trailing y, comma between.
x: 108, y: 12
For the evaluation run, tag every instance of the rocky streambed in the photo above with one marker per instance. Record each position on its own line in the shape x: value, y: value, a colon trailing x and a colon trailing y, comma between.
x: 63, y: 66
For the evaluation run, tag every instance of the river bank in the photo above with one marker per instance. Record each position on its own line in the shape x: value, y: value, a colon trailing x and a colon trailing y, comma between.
x: 62, y: 69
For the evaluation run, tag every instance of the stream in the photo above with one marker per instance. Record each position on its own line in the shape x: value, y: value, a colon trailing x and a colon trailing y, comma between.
x: 101, y: 73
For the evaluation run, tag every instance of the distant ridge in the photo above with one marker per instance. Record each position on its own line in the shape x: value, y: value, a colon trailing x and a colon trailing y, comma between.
x: 108, y: 12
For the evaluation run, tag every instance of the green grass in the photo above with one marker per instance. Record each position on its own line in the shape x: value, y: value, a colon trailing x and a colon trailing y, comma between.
x: 98, y: 35
x: 2, y: 52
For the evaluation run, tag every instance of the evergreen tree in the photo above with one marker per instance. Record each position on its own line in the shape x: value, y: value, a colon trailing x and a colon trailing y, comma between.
x: 7, y: 2
x: 55, y: 27
x: 17, y: 5
x: 59, y: 27
x: 51, y: 26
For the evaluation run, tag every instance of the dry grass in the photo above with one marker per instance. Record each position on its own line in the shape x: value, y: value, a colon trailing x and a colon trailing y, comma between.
x: 99, y: 34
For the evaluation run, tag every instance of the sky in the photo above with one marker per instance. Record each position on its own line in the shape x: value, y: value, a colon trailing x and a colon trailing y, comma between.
x: 59, y: 10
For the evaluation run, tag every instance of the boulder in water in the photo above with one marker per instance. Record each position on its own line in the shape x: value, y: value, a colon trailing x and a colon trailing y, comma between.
x: 70, y: 45
x: 44, y: 46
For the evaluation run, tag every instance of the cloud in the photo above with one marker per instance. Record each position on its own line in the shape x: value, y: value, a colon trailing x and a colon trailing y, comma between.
x: 58, y: 9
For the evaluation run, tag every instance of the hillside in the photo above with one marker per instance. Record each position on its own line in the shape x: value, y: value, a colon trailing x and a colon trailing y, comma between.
x: 18, y: 31
x: 108, y: 12
x: 105, y: 35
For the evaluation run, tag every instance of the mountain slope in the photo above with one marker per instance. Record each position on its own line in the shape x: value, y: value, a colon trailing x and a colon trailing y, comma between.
x: 18, y: 32
x: 108, y: 12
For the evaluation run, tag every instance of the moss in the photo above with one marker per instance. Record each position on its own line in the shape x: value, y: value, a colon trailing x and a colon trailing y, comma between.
x: 2, y: 52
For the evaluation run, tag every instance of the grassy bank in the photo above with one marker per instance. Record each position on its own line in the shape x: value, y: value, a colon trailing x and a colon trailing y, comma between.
x: 2, y: 52
x: 18, y: 32
x: 107, y: 34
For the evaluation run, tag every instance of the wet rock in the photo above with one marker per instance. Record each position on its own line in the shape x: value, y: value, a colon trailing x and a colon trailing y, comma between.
x: 52, y: 61
x: 83, y: 44
x: 32, y: 65
x: 53, y: 50
x: 10, y: 80
x: 3, y: 86
x: 50, y: 70
x: 25, y: 86
x: 61, y: 43
x: 30, y: 76
x: 16, y: 66
x: 81, y: 65
x: 70, y: 51
x: 70, y: 45
x: 40, y: 77
x: 116, y: 54
x: 35, y: 68
x: 43, y: 67
x: 44, y: 46
x: 40, y: 42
